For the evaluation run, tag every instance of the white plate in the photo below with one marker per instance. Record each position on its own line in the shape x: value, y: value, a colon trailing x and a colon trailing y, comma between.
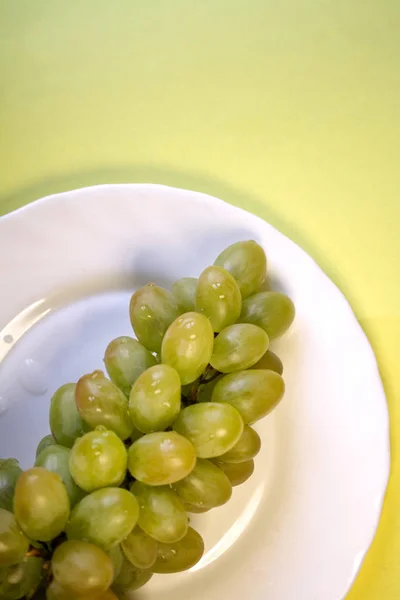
x: 300, y: 527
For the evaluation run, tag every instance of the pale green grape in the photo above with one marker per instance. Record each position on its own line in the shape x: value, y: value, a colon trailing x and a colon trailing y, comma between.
x: 238, y: 473
x: 152, y: 310
x: 155, y: 399
x: 125, y: 359
x: 273, y: 311
x: 247, y: 447
x: 9, y: 473
x: 238, y: 347
x: 100, y: 402
x: 47, y: 440
x: 184, y: 292
x: 218, y: 297
x: 247, y: 263
x: 180, y: 556
x: 269, y: 361
x: 66, y: 423
x: 21, y: 580
x: 162, y: 514
x: 205, y: 487
x: 161, y: 458
x: 41, y: 504
x: 117, y: 557
x: 56, y: 459
x: 195, y: 509
x: 212, y: 428
x: 13, y: 542
x: 105, y: 517
x: 140, y: 549
x: 81, y: 567
x: 187, y: 346
x: 98, y: 459
x: 130, y: 579
x: 253, y: 393
x: 56, y: 592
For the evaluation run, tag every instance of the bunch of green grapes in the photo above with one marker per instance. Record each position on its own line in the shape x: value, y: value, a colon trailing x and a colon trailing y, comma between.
x: 170, y: 432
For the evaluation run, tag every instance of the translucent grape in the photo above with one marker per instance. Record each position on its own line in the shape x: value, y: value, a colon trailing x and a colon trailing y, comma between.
x: 105, y: 517
x: 247, y: 447
x: 238, y: 347
x: 253, y: 393
x: 66, y: 423
x: 13, y: 542
x: 212, y: 428
x: 247, y: 263
x: 140, y: 549
x: 161, y: 458
x: 100, y: 402
x: 81, y: 567
x: 271, y: 362
x: 180, y: 556
x: 98, y: 459
x: 162, y: 514
x: 117, y: 557
x: 56, y: 592
x: 125, y: 359
x: 56, y: 459
x: 237, y: 473
x: 184, y: 292
x: 9, y: 473
x: 48, y: 440
x: 195, y: 509
x: 130, y: 579
x: 152, y: 310
x: 272, y: 311
x: 187, y: 346
x: 205, y: 487
x: 41, y: 504
x: 155, y: 399
x: 218, y: 297
x: 22, y: 579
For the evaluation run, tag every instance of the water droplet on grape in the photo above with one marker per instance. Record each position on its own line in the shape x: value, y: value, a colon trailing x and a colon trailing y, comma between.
x: 32, y: 377
x: 8, y: 339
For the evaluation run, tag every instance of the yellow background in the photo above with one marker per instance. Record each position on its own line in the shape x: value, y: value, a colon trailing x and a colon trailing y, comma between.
x: 289, y: 108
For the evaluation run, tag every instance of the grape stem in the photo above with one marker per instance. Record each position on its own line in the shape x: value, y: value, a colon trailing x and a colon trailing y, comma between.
x: 36, y: 552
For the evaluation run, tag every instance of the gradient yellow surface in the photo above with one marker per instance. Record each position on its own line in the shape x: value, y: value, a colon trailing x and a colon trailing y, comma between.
x: 287, y: 108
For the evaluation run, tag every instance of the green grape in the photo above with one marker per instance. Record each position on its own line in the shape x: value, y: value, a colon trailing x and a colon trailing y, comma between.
x: 161, y: 458
x: 125, y: 359
x: 271, y: 362
x: 140, y: 549
x: 100, y: 402
x: 56, y: 592
x: 247, y: 263
x: 21, y: 580
x: 238, y: 347
x: 130, y: 579
x: 82, y: 567
x: 48, y: 440
x: 13, y: 542
x: 152, y: 310
x: 205, y: 390
x: 253, y: 393
x: 213, y: 430
x: 184, y: 292
x: 237, y: 473
x: 180, y: 556
x: 187, y: 346
x: 272, y: 311
x: 41, y: 504
x: 9, y: 473
x: 205, y: 487
x: 105, y: 517
x: 56, y: 459
x: 247, y: 447
x: 117, y: 557
x: 155, y: 399
x: 162, y: 514
x: 218, y: 297
x: 195, y: 509
x: 65, y: 421
x: 98, y: 459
